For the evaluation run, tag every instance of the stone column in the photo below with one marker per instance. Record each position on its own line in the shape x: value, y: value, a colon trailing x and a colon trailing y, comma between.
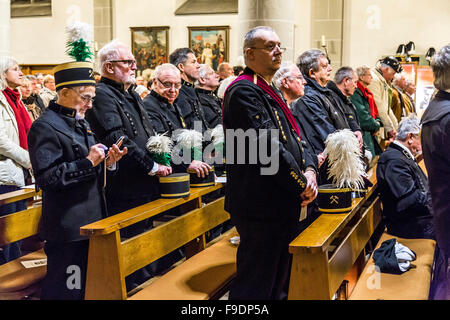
x: 277, y: 14
x: 103, y: 24
x: 5, y: 27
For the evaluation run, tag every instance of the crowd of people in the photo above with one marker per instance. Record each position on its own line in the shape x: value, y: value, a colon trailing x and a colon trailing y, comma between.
x: 63, y: 131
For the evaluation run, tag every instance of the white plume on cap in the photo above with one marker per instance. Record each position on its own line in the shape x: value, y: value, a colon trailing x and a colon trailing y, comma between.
x: 80, y: 31
x: 189, y: 138
x: 159, y: 143
x: 345, y: 164
x: 217, y: 134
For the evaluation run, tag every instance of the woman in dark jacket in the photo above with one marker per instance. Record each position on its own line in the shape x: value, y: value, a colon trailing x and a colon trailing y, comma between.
x: 366, y: 110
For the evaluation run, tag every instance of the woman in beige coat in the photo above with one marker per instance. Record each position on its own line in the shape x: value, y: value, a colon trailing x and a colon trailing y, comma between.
x: 14, y: 159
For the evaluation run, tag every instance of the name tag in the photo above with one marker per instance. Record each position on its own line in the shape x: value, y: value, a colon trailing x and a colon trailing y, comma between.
x: 34, y: 263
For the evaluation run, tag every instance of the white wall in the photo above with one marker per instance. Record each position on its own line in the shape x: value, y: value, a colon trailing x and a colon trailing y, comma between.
x: 302, y: 27
x: 374, y: 28
x: 41, y: 40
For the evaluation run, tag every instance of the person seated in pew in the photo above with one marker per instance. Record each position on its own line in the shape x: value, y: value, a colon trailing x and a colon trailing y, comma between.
x: 205, y: 86
x: 403, y: 185
x: 68, y: 166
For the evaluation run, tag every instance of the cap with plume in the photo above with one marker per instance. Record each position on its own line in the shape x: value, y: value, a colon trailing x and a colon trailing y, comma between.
x: 80, y: 37
x: 191, y: 139
x: 346, y: 167
x: 218, y: 138
x: 160, y: 146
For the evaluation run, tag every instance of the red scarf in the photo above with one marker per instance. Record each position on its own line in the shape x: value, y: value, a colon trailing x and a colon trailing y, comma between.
x: 266, y: 88
x: 369, y: 96
x: 20, y: 112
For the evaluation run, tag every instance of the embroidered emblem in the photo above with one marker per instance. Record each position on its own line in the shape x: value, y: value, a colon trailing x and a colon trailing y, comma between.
x: 334, y: 199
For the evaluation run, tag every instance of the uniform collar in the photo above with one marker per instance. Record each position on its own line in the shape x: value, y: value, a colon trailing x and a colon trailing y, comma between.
x: 155, y: 94
x: 210, y: 92
x: 68, y: 112
x: 187, y: 84
x: 408, y: 152
x: 112, y: 83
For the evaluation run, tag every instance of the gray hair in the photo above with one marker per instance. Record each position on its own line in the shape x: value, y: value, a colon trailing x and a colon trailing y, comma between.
x: 309, y: 60
x: 6, y: 63
x: 409, y: 124
x: 31, y: 77
x: 441, y: 68
x: 342, y: 73
x: 282, y: 73
x: 48, y: 78
x: 165, y: 67
x: 180, y: 55
x: 398, y: 77
x: 110, y: 51
x: 203, y: 70
x: 360, y: 71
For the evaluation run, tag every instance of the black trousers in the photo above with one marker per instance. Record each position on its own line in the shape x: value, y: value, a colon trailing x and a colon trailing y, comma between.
x: 66, y: 270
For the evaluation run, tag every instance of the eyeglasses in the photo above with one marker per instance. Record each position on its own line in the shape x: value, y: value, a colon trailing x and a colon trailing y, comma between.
x: 271, y: 48
x: 86, y: 99
x: 169, y: 85
x: 130, y: 63
x: 299, y: 78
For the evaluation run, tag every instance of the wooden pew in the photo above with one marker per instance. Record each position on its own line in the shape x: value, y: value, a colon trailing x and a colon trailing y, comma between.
x: 111, y: 260
x: 16, y: 281
x: 325, y: 251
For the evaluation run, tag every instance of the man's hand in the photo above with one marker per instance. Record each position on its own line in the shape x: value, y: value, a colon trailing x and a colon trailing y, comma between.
x: 358, y: 135
x: 96, y: 154
x: 310, y: 193
x: 201, y: 168
x: 115, y: 154
x: 163, y: 171
x: 321, y: 159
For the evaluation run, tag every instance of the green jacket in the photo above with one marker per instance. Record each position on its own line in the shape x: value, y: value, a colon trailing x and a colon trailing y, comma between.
x: 369, y: 125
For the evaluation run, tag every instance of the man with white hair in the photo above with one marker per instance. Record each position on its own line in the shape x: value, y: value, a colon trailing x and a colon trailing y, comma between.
x: 205, y: 86
x: 436, y: 153
x: 401, y: 105
x: 382, y: 76
x: 403, y: 185
x: 264, y: 207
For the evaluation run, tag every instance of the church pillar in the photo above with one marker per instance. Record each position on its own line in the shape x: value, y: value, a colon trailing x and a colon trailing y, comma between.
x: 5, y: 27
x: 277, y: 14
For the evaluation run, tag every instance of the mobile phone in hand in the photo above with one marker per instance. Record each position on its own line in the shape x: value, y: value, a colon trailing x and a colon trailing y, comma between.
x: 119, y: 141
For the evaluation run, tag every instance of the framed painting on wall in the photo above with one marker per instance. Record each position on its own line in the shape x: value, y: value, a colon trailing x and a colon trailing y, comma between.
x: 210, y: 44
x: 150, y: 47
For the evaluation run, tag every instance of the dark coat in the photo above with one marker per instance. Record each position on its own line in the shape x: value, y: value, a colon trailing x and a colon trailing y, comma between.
x: 72, y: 194
x: 212, y: 107
x: 344, y: 104
x: 404, y: 192
x: 319, y: 115
x: 117, y: 113
x: 436, y: 153
x: 190, y: 107
x: 249, y: 193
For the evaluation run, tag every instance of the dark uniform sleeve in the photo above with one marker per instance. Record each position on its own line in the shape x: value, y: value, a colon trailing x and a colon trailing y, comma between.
x: 105, y: 120
x: 352, y: 118
x: 50, y: 171
x: 248, y: 105
x: 402, y: 185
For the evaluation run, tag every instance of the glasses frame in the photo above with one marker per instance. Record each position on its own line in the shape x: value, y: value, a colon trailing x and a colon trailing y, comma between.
x: 282, y: 50
x: 129, y: 62
x: 85, y: 99
x: 177, y: 86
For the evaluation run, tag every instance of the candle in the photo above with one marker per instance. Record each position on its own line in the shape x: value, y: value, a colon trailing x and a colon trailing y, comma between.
x: 323, y: 42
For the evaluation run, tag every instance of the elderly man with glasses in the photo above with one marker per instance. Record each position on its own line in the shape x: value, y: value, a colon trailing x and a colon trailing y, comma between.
x: 118, y: 111
x: 69, y: 167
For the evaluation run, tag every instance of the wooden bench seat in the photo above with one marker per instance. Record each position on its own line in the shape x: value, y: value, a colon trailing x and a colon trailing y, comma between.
x: 16, y: 281
x: 413, y: 284
x: 202, y: 277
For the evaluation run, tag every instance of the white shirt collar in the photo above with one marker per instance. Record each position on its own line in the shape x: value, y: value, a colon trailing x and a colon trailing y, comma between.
x: 405, y: 148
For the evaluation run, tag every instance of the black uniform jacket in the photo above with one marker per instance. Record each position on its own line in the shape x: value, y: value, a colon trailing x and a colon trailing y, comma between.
x: 436, y: 153
x: 190, y: 107
x: 117, y: 113
x: 404, y: 192
x: 212, y: 107
x: 319, y: 115
x: 345, y: 105
x: 250, y: 194
x: 72, y: 194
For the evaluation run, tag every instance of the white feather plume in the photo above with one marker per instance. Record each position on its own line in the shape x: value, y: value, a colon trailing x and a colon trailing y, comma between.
x: 159, y: 143
x: 345, y: 165
x: 189, y: 138
x: 80, y: 31
x: 217, y: 134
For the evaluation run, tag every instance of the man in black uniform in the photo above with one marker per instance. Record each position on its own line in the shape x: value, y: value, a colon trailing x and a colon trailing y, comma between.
x: 206, y: 85
x: 264, y: 206
x: 68, y: 167
x: 118, y: 111
x: 164, y: 112
x: 191, y: 110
